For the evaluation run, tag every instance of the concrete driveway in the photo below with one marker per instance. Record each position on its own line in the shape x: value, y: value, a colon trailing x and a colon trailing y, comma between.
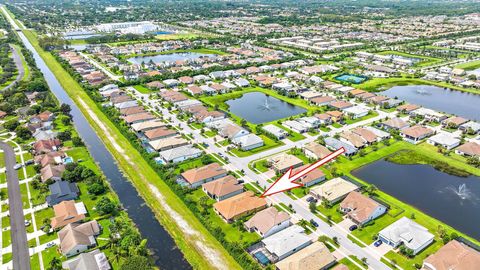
x: 380, y: 250
x: 345, y: 224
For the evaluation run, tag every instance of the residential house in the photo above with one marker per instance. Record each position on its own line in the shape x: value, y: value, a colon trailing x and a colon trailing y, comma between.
x: 208, y: 116
x: 93, y: 260
x: 62, y: 191
x: 248, y: 142
x: 381, y: 135
x: 360, y: 208
x: 470, y: 127
x: 453, y: 256
x: 223, y: 188
x: 445, y: 140
x: 52, y: 158
x: 367, y: 135
x: 315, y: 150
x: 470, y: 149
x: 286, y: 242
x: 310, y: 179
x: 168, y: 143
x: 179, y: 154
x: 335, y: 144
x: 159, y: 133
x: 295, y: 126
x: 353, y: 139
x: 333, y: 190
x: 309, y: 121
x: 454, y: 122
x: 46, y: 146
x: 416, y: 133
x: 148, y: 125
x: 340, y: 105
x: 194, y: 178
x: 138, y: 118
x: 336, y: 116
x: 356, y: 111
x: 322, y: 101
x: 232, y: 131
x: 268, y: 221
x: 67, y: 212
x: 394, y: 124
x: 194, y: 90
x: 275, y: 131
x: 239, y: 205
x: 52, y: 172
x: 282, y: 162
x: 407, y: 108
x: 316, y: 256
x: 76, y: 237
x: 407, y: 232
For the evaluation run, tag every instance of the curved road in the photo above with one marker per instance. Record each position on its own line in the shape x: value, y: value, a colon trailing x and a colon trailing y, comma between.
x: 21, y: 257
x: 18, y: 62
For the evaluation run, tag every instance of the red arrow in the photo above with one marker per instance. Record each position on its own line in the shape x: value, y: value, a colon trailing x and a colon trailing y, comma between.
x: 287, y: 181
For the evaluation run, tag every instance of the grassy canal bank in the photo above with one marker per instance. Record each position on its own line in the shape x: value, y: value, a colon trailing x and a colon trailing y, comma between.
x: 200, y: 248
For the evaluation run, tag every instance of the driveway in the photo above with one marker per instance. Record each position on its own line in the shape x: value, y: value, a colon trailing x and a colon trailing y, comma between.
x: 345, y: 224
x: 381, y: 250
x: 21, y: 257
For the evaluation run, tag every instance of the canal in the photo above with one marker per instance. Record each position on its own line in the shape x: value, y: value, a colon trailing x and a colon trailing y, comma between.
x: 165, y: 252
x: 451, y: 199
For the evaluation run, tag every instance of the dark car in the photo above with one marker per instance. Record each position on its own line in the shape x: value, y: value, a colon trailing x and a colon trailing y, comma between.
x: 310, y: 199
x: 377, y: 243
x: 314, y: 223
x: 353, y: 228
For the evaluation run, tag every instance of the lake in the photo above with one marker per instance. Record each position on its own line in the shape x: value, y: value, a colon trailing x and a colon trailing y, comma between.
x: 171, y: 57
x: 451, y: 199
x: 257, y: 107
x: 440, y: 99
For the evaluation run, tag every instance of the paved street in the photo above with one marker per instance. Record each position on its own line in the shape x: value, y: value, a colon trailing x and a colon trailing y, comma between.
x: 18, y: 63
x: 300, y: 207
x: 21, y: 257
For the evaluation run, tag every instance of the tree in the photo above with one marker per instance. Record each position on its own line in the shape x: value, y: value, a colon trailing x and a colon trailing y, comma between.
x: 136, y: 262
x: 65, y: 135
x: 77, y: 142
x: 313, y: 207
x: 23, y: 132
x: 96, y: 189
x: 105, y: 206
x: 11, y: 125
x: 54, y: 264
x: 371, y: 189
x: 65, y: 109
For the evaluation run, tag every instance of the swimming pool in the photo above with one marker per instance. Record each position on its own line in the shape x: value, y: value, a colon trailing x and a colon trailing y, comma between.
x: 356, y: 79
x: 67, y: 160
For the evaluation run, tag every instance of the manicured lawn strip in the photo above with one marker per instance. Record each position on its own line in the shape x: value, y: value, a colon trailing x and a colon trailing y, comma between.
x: 6, y: 257
x: 335, y: 216
x: 81, y: 155
x: 47, y: 238
x: 5, y: 221
x: 371, y: 114
x: 381, y: 84
x: 6, y: 239
x: 142, y: 89
x: 409, y: 263
x: 349, y: 264
x: 139, y: 172
x: 469, y: 65
x: 50, y: 253
x: 23, y: 191
x: 269, y: 144
x: 35, y: 262
x: 43, y: 214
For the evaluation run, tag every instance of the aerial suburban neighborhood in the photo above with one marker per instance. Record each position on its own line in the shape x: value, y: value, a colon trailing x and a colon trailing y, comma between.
x: 289, y: 135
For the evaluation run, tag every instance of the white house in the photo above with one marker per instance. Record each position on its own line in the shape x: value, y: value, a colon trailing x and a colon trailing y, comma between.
x: 179, y: 154
x: 275, y: 131
x: 295, y: 126
x: 406, y: 231
x: 286, y: 242
x: 445, y: 140
x: 248, y: 142
x: 356, y: 111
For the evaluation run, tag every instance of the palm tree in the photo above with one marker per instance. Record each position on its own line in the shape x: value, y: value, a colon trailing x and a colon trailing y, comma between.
x: 54, y: 264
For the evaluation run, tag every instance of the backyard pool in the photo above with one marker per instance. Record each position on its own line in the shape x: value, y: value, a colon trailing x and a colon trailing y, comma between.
x: 350, y: 78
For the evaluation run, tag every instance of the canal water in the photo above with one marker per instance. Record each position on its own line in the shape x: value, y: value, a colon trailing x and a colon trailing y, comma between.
x: 257, y: 107
x: 451, y: 199
x: 165, y: 252
x: 440, y: 99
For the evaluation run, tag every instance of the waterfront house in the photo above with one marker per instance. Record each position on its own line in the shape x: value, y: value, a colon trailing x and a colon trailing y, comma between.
x: 394, y: 123
x: 167, y: 143
x: 416, y: 133
x: 93, y: 260
x: 469, y: 149
x: 360, y: 208
x: 335, y: 144
x: 295, y: 126
x: 315, y: 150
x: 194, y: 178
x: 67, y: 212
x: 445, y: 140
x: 62, y: 191
x: 76, y: 238
x: 407, y: 232
x: 180, y: 154
x: 239, y: 205
x: 454, y: 255
x: 268, y: 221
x: 52, y: 172
x: 223, y: 188
x: 333, y: 190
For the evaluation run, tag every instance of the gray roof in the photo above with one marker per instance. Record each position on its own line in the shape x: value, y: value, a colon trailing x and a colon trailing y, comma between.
x: 286, y: 240
x: 275, y: 130
x: 94, y: 260
x: 336, y: 144
x: 174, y: 153
x: 62, y: 191
x: 248, y: 140
x: 407, y: 231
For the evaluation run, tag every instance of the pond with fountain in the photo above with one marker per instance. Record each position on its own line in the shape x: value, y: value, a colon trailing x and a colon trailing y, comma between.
x: 257, y: 108
x: 452, y: 199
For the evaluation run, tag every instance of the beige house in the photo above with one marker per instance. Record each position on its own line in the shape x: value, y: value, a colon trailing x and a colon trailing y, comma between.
x: 282, y: 162
x: 78, y: 237
x: 454, y: 255
x: 223, y: 188
x: 315, y: 150
x: 198, y: 176
x: 268, y: 222
x: 333, y: 190
x: 239, y: 205
x: 314, y: 257
x: 360, y: 208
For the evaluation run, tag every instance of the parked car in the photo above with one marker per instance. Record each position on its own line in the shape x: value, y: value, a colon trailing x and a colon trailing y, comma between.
x: 378, y: 243
x: 17, y: 166
x: 310, y: 199
x: 314, y: 223
x: 29, y: 162
x: 353, y: 228
x: 27, y: 223
x: 51, y: 244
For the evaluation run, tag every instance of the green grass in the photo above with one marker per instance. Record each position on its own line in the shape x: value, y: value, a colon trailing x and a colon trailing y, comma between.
x: 292, y: 135
x: 50, y: 253
x: 47, y: 238
x: 268, y: 144
x: 425, y: 60
x: 35, y: 262
x: 142, y: 89
x: 46, y: 213
x: 409, y: 263
x: 139, y: 172
x: 177, y: 36
x: 81, y: 155
x: 371, y: 114
x: 469, y: 65
x: 23, y: 191
x: 26, y: 70
x: 5, y: 221
x: 261, y: 165
x: 7, y: 257
x: 349, y: 264
x: 6, y: 239
x: 335, y: 216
